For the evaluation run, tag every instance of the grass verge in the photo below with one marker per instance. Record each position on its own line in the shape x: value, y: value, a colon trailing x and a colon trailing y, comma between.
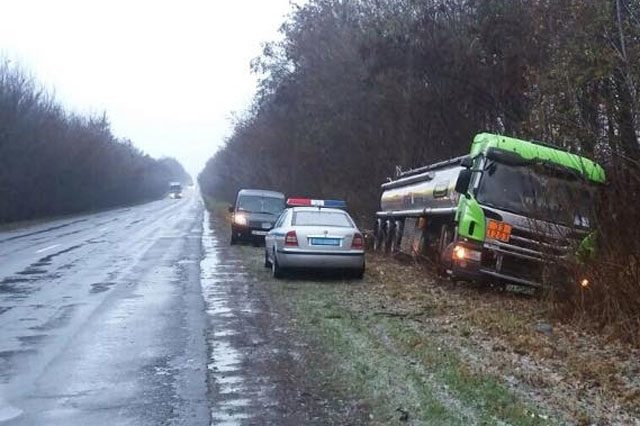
x: 408, y: 347
x: 216, y: 207
x: 385, y: 360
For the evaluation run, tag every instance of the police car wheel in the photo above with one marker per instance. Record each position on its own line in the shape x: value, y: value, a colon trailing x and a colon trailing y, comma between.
x: 359, y: 273
x: 276, y: 270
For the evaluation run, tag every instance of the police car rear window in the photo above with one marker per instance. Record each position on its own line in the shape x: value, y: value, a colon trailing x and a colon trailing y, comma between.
x: 321, y: 218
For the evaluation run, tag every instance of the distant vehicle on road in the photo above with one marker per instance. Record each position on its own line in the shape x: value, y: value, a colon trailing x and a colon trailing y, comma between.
x: 175, y: 190
x: 315, y: 234
x: 254, y: 213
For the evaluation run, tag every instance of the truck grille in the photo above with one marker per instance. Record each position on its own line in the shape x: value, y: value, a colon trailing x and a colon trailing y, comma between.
x: 521, y: 268
x: 544, y: 245
x: 523, y: 256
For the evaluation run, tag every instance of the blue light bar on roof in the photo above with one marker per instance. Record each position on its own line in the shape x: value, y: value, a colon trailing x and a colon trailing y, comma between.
x: 337, y: 204
x: 307, y: 202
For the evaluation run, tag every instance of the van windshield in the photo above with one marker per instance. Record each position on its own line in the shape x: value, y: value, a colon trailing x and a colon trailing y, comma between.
x: 258, y: 204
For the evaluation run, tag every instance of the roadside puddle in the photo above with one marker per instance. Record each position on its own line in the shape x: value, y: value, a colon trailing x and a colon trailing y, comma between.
x: 228, y: 387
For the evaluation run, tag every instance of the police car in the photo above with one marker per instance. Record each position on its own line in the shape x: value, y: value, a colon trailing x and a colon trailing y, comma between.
x: 314, y: 234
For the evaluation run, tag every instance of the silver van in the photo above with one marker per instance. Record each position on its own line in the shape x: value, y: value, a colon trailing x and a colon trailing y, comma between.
x: 254, y: 213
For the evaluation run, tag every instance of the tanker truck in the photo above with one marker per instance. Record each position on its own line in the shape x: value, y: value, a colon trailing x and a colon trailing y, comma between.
x: 503, y: 213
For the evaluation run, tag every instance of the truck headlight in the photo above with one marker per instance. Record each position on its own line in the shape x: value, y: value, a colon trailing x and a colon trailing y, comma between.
x: 240, y: 219
x: 465, y: 253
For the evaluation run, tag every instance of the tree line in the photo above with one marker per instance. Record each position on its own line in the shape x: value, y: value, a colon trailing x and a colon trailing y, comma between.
x: 55, y: 162
x: 356, y: 87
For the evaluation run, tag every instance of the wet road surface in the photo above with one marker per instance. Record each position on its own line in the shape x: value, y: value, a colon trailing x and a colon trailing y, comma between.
x: 102, y: 318
x: 145, y: 315
x: 258, y: 369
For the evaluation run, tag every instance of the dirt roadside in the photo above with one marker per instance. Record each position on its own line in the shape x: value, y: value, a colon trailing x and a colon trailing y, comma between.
x: 403, y: 347
x: 258, y: 368
x: 407, y: 347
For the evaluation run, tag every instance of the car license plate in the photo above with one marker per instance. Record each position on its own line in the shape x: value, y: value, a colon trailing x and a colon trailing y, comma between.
x: 259, y: 233
x: 266, y: 225
x: 324, y: 241
x: 498, y: 230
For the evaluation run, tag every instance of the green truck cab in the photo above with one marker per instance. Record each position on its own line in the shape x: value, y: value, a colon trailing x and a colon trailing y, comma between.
x: 514, y: 208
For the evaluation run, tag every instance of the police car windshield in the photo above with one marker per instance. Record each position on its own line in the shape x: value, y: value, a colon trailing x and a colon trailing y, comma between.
x: 321, y: 218
x: 257, y: 204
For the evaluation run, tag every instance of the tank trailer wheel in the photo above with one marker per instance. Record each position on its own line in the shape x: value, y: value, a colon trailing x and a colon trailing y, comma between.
x: 378, y: 236
x: 388, y: 236
x: 396, y: 237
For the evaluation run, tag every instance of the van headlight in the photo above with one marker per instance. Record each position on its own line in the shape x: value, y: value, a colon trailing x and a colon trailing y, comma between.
x: 240, y: 219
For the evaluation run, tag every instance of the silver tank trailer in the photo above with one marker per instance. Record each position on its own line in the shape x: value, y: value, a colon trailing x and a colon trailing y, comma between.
x: 427, y: 190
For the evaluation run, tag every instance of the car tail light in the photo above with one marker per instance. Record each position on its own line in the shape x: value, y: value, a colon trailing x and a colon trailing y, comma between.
x: 291, y: 239
x: 357, y: 242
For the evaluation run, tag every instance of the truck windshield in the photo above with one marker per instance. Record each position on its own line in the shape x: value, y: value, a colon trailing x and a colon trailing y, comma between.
x: 257, y: 204
x: 536, y: 191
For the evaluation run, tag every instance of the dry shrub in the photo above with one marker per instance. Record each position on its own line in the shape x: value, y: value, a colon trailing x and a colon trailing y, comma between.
x: 611, y: 300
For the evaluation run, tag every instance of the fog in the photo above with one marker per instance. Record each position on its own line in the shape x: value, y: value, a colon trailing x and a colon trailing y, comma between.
x: 169, y: 74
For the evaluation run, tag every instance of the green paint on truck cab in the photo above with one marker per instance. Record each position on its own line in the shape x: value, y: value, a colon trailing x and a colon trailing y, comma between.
x: 470, y: 219
x: 531, y: 151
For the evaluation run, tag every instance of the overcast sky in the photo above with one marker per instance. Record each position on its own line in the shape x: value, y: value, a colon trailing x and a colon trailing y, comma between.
x: 169, y: 74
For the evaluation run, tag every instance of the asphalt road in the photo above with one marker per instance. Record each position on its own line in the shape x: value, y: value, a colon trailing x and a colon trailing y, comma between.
x: 102, y: 318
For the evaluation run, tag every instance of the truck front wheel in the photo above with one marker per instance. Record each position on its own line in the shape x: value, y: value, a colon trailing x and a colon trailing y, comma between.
x: 446, y: 237
x: 445, y: 250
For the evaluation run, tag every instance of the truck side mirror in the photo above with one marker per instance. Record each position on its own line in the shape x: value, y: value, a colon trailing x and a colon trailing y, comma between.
x: 230, y: 209
x: 462, y: 184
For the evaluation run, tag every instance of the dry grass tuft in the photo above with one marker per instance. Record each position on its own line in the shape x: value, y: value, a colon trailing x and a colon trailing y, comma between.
x: 587, y: 375
x: 609, y: 303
